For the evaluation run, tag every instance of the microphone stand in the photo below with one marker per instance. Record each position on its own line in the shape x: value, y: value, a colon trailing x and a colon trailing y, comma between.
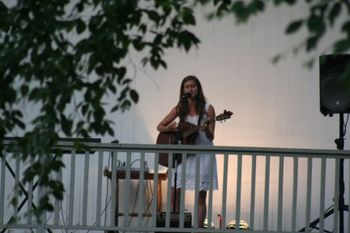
x: 178, y: 140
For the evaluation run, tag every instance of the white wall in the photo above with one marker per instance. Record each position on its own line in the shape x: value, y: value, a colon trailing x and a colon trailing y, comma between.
x: 273, y: 105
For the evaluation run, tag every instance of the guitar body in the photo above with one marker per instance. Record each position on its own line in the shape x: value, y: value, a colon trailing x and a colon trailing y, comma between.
x: 167, y: 138
x: 171, y: 138
x: 187, y: 134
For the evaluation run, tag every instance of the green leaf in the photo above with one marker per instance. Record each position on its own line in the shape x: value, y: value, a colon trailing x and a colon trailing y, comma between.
x: 115, y: 108
x: 187, y: 16
x: 276, y: 59
x: 126, y: 81
x: 334, y: 12
x: 81, y: 26
x: 311, y: 43
x: 186, y: 39
x: 134, y: 95
x: 256, y: 6
x: 153, y: 15
x: 277, y: 2
x: 346, y: 27
x: 342, y: 45
x: 241, y: 11
x: 138, y: 44
x: 316, y: 24
x: 294, y: 26
x: 126, y: 104
x: 290, y: 2
x: 121, y: 74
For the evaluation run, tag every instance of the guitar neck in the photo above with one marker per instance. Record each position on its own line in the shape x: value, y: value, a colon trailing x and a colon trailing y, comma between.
x: 194, y: 129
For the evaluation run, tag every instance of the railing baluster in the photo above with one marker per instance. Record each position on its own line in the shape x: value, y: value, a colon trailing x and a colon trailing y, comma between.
x: 86, y: 186
x: 57, y: 202
x: 239, y: 190
x: 196, y: 193
x: 30, y: 196
x: 17, y: 172
x: 141, y: 189
x: 224, y: 193
x: 99, y: 189
x: 41, y: 191
x: 170, y: 180
x: 2, y: 186
x: 308, y: 194
x: 114, y: 189
x: 71, y: 189
x: 183, y: 188
x: 210, y: 204
x: 322, y: 193
x: 280, y: 194
x: 155, y: 191
x: 252, y: 195
x: 127, y: 189
x: 295, y: 192
x: 336, y: 196
x: 266, y: 193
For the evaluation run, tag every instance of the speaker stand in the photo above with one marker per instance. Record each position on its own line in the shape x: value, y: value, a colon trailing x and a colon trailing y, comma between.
x: 342, y: 206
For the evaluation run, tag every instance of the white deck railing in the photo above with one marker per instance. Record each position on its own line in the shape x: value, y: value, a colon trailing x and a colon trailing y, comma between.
x: 121, y: 187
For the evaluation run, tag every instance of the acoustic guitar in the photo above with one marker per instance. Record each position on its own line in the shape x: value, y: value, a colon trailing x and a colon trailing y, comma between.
x: 186, y: 135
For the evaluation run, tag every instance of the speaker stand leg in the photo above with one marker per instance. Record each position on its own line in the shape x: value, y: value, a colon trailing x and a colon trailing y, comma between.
x: 342, y: 207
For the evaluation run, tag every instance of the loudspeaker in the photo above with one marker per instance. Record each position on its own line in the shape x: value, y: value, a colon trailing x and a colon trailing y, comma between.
x: 174, y: 219
x: 334, y: 84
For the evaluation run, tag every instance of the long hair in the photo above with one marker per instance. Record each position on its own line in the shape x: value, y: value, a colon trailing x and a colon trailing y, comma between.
x: 183, y: 108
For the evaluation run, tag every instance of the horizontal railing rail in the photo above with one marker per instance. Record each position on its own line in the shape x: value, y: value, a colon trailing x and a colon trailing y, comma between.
x: 122, y: 187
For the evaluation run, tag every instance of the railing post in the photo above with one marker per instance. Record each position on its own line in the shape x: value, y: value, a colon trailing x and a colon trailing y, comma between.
x: 322, y: 193
x: 295, y: 192
x: 280, y: 194
x: 71, y: 189
x: 308, y: 194
x: 2, y: 185
x: 210, y: 205
x: 99, y: 190
x: 183, y: 188
x: 252, y: 195
x: 141, y: 190
x: 224, y: 193
x: 239, y: 190
x: 85, y: 186
x: 266, y: 192
x: 155, y: 188
x: 336, y: 196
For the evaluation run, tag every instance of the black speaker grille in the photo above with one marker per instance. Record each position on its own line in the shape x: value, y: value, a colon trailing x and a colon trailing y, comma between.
x: 334, y: 84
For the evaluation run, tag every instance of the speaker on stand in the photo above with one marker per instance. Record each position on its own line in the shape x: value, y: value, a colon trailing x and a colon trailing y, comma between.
x: 334, y: 84
x: 335, y: 99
